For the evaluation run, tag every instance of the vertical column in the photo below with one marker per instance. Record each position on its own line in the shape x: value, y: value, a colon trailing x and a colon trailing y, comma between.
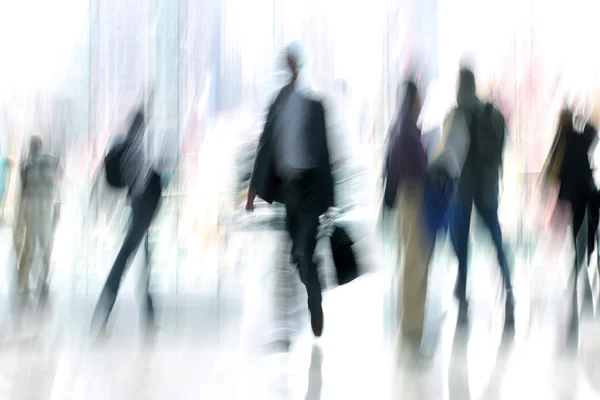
x: 229, y: 77
x: 91, y: 104
x: 426, y: 38
x: 165, y: 135
x: 94, y: 78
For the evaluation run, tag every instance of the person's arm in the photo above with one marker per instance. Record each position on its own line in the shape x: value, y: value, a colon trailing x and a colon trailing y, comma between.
x: 22, y: 174
x: 252, y: 185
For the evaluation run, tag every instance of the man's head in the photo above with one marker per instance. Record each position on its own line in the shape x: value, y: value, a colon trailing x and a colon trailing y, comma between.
x: 35, y: 144
x: 467, y: 88
x: 295, y: 59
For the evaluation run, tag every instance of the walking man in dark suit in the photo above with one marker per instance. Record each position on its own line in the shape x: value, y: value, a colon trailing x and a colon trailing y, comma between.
x: 293, y: 167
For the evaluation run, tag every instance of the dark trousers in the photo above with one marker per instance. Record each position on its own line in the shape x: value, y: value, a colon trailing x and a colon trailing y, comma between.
x: 579, y: 206
x: 488, y: 211
x: 302, y: 219
x: 143, y: 211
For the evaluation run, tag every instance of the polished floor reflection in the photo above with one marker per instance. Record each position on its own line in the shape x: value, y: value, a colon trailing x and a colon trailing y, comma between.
x: 250, y: 337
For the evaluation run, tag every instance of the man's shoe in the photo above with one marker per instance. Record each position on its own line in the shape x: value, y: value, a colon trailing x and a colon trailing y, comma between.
x: 316, y: 323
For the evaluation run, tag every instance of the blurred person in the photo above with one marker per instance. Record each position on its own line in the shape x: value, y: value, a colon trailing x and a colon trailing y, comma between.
x: 406, y: 163
x: 38, y: 212
x: 479, y: 185
x: 293, y: 166
x: 127, y: 167
x: 577, y: 187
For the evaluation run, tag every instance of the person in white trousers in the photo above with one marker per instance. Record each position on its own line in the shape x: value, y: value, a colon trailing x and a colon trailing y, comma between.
x: 38, y: 213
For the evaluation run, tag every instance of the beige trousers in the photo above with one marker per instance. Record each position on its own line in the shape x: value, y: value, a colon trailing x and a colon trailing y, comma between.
x: 35, y: 226
x: 413, y: 261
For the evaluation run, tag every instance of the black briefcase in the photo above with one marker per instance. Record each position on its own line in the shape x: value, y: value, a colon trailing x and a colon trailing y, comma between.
x: 344, y: 258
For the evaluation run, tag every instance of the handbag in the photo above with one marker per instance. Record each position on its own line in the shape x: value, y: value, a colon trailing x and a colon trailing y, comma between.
x: 344, y: 258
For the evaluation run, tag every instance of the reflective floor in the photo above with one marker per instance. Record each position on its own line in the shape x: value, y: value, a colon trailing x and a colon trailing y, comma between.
x: 248, y: 337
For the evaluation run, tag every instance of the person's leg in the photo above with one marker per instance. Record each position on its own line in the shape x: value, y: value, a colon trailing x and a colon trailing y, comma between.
x: 578, y: 209
x: 44, y: 226
x: 305, y: 247
x: 137, y: 230
x: 147, y: 301
x: 415, y: 268
x: 303, y: 222
x: 488, y: 211
x: 291, y: 218
x: 25, y: 261
x: 460, y: 226
x: 27, y: 245
x: 150, y: 210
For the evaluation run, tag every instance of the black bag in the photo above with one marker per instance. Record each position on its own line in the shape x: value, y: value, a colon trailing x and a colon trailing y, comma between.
x: 488, y: 135
x: 112, y: 167
x: 344, y: 258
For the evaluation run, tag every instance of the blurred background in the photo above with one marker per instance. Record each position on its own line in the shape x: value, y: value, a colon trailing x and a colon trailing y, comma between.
x: 73, y: 69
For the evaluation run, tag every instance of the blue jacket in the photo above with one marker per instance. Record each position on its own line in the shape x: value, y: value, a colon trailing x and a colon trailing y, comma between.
x: 438, y: 196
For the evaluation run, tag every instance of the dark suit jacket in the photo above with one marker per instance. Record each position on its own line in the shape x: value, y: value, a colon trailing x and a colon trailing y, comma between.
x: 265, y: 181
